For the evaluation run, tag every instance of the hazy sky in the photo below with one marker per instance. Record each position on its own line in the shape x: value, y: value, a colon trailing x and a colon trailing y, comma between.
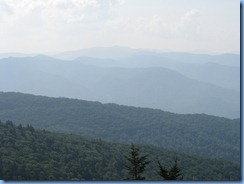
x: 179, y: 25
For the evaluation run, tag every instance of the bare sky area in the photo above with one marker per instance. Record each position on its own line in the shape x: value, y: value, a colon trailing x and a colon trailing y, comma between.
x: 179, y: 25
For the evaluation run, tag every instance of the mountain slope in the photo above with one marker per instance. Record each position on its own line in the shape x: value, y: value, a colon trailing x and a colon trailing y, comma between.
x: 145, y: 87
x: 208, y: 71
x: 218, y: 74
x: 31, y: 154
x: 221, y: 69
x: 195, y: 134
x: 167, y: 90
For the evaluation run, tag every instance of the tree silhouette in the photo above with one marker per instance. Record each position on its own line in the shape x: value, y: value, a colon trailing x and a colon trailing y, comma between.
x: 174, y: 173
x: 136, y: 165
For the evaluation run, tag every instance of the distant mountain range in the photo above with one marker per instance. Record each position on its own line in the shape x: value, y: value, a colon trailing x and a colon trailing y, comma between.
x: 118, y: 52
x: 15, y: 54
x: 176, y: 82
x: 196, y: 134
x: 184, y: 102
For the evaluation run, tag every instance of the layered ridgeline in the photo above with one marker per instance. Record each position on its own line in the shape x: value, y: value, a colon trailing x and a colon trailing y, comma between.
x: 119, y: 53
x: 219, y: 69
x: 31, y: 154
x: 162, y: 83
x: 196, y: 134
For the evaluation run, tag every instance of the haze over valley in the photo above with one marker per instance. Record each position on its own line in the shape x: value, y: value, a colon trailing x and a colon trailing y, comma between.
x: 112, y: 90
x: 157, y: 80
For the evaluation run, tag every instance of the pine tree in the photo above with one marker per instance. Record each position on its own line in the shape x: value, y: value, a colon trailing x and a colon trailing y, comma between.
x: 163, y: 171
x: 174, y: 173
x: 136, y: 165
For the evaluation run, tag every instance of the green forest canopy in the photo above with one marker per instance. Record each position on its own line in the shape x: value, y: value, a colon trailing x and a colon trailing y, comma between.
x: 27, y: 153
x: 198, y: 134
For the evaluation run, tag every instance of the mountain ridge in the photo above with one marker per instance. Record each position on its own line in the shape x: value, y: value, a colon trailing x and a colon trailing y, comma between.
x: 198, y: 134
x: 53, y: 77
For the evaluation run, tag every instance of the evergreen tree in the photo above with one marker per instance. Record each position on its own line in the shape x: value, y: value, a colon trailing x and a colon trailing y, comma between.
x: 163, y: 171
x: 136, y: 165
x: 174, y: 173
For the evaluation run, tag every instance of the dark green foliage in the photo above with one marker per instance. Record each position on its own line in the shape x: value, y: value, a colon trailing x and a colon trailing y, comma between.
x: 174, y: 173
x: 137, y: 164
x: 29, y: 154
x: 197, y: 134
x: 163, y: 172
x: 42, y: 155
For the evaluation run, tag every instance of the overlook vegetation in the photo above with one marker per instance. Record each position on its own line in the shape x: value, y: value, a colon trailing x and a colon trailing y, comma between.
x: 196, y: 134
x: 27, y: 153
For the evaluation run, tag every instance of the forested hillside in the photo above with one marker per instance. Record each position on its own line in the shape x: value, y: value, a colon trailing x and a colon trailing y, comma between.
x: 197, y: 134
x: 31, y: 154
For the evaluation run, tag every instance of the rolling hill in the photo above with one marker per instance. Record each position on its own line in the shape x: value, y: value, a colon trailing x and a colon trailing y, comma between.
x: 196, y: 134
